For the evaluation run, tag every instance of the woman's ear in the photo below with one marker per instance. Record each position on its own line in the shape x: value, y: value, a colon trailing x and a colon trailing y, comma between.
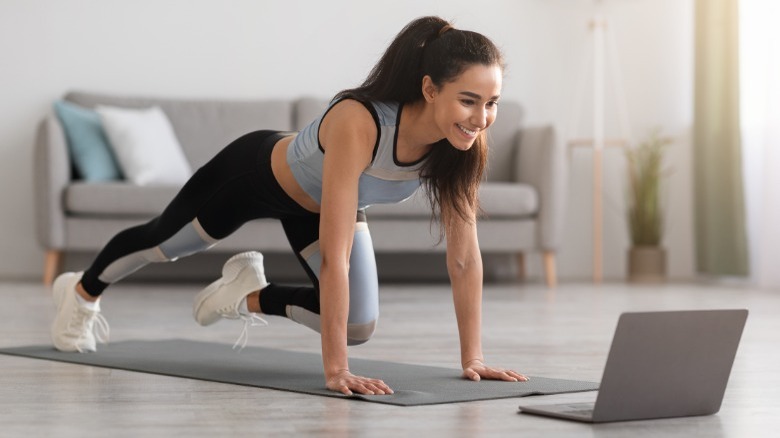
x: 429, y: 89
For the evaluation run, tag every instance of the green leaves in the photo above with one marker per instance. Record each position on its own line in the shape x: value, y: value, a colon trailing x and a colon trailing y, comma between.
x: 645, y: 174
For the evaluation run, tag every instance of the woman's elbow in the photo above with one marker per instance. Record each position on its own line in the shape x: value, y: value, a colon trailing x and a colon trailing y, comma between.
x: 462, y: 265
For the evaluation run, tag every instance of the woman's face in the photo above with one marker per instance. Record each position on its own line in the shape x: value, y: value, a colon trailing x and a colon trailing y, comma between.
x: 466, y: 106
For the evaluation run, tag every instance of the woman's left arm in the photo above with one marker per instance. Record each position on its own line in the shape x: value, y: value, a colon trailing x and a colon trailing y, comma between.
x: 464, y: 265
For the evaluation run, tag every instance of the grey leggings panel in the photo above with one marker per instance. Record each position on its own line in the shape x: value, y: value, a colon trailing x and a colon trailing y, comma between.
x: 363, y: 288
x: 187, y: 241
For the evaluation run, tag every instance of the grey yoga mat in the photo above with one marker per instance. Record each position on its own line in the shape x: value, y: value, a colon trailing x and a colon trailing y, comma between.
x: 295, y: 371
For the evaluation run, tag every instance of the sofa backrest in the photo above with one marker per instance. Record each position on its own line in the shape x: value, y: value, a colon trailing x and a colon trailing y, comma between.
x: 203, y: 127
x: 503, y: 138
x: 306, y: 110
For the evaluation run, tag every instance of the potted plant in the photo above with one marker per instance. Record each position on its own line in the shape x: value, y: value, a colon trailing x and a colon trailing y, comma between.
x: 646, y: 257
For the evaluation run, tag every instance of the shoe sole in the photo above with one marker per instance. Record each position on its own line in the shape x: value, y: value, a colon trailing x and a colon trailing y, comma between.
x: 229, y: 274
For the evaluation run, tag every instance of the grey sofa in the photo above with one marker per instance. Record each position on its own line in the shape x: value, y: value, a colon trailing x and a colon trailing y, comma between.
x: 522, y: 198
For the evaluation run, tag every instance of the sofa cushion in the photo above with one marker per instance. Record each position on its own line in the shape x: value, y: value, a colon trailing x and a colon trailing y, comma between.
x: 145, y: 145
x: 505, y: 200
x: 117, y: 199
x: 498, y: 200
x: 87, y: 142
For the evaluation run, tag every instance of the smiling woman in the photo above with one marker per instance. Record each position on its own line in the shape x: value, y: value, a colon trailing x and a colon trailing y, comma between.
x: 468, y: 111
x: 451, y: 57
x: 419, y: 119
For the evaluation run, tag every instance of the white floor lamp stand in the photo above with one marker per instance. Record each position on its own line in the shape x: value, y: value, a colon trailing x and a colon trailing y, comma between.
x: 600, y: 38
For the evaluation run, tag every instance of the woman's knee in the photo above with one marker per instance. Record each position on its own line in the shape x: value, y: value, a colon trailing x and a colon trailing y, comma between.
x: 360, y: 333
x: 190, y: 239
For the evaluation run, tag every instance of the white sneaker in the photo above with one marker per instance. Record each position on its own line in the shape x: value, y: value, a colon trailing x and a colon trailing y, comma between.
x: 75, y: 327
x: 242, y: 274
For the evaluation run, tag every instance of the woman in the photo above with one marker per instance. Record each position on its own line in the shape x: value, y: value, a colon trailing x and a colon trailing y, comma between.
x: 418, y: 119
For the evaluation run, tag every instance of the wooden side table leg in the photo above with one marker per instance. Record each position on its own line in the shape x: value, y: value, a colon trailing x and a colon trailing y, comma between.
x: 51, y: 266
x: 550, y: 275
x: 521, y: 269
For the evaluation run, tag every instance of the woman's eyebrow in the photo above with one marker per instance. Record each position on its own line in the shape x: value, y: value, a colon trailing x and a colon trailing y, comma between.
x: 477, y: 96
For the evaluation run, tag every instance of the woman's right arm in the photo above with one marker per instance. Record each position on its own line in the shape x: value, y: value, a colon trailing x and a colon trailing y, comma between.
x: 347, y: 134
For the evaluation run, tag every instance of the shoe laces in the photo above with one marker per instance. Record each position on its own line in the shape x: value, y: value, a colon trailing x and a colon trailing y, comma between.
x: 87, y: 321
x: 250, y: 320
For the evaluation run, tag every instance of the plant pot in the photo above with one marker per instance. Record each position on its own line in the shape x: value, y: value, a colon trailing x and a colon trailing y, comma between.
x: 647, y: 264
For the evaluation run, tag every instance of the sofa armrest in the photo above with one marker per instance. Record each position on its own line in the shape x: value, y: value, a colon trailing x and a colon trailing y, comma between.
x: 540, y: 162
x: 51, y: 166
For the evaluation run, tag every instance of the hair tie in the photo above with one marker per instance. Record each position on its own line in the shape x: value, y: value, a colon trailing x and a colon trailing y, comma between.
x: 445, y: 28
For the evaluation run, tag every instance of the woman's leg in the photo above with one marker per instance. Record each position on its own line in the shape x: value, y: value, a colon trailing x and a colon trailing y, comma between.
x: 302, y: 304
x: 217, y: 200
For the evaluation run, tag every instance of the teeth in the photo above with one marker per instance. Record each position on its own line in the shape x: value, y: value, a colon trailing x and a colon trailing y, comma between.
x: 467, y: 131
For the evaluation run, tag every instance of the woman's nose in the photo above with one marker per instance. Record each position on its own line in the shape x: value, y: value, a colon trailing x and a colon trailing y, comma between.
x: 479, y: 118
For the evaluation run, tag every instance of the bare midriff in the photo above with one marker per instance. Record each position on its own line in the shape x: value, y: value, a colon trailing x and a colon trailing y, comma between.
x: 286, y: 179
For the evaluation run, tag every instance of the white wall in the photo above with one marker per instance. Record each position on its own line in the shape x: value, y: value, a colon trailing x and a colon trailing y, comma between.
x: 255, y: 49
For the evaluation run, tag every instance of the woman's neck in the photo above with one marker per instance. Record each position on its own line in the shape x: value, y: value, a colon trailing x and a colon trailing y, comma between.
x: 417, y: 131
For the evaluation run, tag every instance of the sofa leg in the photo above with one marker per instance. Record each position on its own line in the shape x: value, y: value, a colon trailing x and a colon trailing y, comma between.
x: 521, y: 270
x: 51, y: 266
x: 550, y: 276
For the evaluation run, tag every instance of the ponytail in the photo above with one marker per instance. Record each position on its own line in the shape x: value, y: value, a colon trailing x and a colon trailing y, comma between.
x: 398, y: 74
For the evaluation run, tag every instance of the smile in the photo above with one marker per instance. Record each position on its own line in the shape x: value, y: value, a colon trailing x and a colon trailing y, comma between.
x: 467, y: 131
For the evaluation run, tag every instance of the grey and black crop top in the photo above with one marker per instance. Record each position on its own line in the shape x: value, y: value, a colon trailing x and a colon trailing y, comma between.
x: 384, y: 181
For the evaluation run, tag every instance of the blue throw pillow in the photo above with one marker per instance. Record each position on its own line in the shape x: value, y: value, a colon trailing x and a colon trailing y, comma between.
x: 87, y: 142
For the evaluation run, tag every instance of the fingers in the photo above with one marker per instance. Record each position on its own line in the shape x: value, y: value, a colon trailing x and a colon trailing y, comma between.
x: 509, y: 376
x: 379, y: 387
x: 349, y: 383
x: 470, y: 374
x: 373, y: 389
x: 519, y: 377
x: 477, y: 372
x: 369, y: 389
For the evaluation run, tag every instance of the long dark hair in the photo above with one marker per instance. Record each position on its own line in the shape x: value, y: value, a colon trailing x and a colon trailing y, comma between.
x: 431, y: 46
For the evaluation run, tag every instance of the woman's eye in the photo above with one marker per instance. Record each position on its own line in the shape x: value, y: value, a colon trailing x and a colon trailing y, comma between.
x: 467, y: 102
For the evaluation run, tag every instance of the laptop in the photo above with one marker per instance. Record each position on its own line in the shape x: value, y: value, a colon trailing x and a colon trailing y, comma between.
x: 661, y: 365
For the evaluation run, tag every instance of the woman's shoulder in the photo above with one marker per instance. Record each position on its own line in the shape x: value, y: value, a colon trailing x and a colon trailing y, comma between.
x: 351, y: 112
x: 349, y: 117
x: 351, y: 105
x: 384, y: 113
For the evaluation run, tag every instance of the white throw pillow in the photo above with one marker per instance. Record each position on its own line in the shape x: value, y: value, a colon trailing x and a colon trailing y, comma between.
x: 145, y: 145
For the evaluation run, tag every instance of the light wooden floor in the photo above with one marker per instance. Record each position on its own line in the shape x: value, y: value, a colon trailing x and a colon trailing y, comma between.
x: 563, y: 333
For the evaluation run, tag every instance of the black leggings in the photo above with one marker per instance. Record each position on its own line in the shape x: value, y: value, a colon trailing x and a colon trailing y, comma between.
x: 236, y: 186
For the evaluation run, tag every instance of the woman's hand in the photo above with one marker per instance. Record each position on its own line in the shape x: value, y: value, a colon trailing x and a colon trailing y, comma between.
x: 346, y: 382
x: 476, y: 370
